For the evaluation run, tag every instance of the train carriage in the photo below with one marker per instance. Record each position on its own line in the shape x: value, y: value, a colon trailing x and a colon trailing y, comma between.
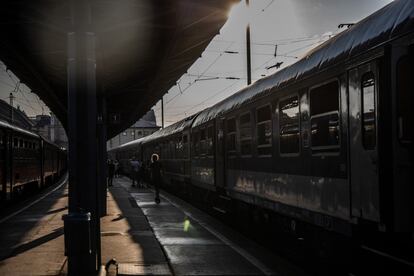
x: 323, y: 145
x: 27, y: 162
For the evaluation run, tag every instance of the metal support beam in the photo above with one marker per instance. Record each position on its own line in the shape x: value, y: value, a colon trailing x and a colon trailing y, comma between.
x: 82, y: 231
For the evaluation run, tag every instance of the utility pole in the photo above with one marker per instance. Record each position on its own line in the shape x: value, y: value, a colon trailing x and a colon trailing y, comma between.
x: 162, y: 111
x: 249, y: 66
x: 11, y: 97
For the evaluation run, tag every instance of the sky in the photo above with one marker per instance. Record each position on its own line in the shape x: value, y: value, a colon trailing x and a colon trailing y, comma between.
x: 295, y: 26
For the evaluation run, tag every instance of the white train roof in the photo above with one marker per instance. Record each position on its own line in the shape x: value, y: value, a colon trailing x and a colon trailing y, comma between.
x: 390, y: 22
x: 4, y: 124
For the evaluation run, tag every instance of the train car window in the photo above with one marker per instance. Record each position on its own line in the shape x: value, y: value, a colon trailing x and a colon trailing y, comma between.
x: 324, y: 110
x: 173, y: 153
x: 209, y: 141
x: 369, y: 139
x: 20, y: 143
x: 196, y: 145
x: 245, y: 134
x: 124, y: 133
x: 132, y: 133
x: 405, y: 99
x: 231, y: 136
x: 185, y: 146
x: 289, y: 126
x: 163, y: 149
x: 26, y: 145
x: 15, y: 142
x: 264, y: 130
x: 179, y: 147
x: 203, y: 141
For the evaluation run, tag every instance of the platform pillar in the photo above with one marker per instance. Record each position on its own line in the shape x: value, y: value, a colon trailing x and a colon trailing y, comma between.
x: 82, y: 222
x: 102, y: 154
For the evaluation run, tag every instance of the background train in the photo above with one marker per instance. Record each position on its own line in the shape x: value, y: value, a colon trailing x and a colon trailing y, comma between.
x: 27, y: 162
x: 321, y: 148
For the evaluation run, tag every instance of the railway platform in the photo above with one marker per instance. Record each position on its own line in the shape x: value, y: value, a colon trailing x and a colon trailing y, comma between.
x: 145, y: 238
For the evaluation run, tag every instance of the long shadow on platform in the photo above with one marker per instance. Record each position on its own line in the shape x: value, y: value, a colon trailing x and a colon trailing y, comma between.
x: 35, y: 243
x: 127, y: 236
x: 19, y: 234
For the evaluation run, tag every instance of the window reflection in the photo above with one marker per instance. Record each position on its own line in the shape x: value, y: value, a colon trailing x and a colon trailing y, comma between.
x: 289, y: 125
x: 368, y: 111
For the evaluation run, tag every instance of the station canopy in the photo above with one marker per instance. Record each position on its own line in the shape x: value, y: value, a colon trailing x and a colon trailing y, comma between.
x: 142, y: 49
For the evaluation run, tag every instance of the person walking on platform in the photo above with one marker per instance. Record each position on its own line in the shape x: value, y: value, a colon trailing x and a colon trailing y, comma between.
x: 135, y: 167
x: 116, y: 173
x: 141, y: 173
x: 111, y: 172
x: 156, y: 175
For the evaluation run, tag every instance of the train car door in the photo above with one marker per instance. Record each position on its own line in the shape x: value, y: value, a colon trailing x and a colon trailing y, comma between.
x: 402, y: 87
x: 363, y: 91
x: 220, y: 151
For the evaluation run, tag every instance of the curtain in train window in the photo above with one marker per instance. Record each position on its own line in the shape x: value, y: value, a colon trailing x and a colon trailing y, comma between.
x: 369, y: 137
x: 264, y: 131
x: 405, y: 99
x: 245, y: 134
x: 289, y: 125
x: 324, y: 109
x: 231, y: 136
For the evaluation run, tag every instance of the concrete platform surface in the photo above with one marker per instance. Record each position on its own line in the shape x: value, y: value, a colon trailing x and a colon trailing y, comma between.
x: 192, y: 242
x: 31, y: 242
x: 145, y: 238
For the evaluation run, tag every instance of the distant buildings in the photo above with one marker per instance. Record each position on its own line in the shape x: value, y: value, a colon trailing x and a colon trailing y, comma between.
x: 143, y: 127
x: 57, y: 132
x: 47, y: 126
x: 20, y: 118
x: 50, y: 128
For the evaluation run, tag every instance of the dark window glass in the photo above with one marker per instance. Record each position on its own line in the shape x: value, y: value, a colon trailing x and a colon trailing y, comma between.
x: 324, y: 109
x: 179, y: 148
x: 231, y: 136
x: 264, y: 131
x: 185, y: 146
x: 203, y: 141
x: 405, y: 99
x: 368, y: 111
x: 15, y: 142
x: 20, y: 143
x: 289, y: 125
x: 245, y: 134
x: 196, y: 144
x: 209, y: 141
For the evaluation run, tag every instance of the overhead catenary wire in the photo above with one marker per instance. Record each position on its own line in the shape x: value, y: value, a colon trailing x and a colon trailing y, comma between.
x: 201, y: 75
x: 17, y: 88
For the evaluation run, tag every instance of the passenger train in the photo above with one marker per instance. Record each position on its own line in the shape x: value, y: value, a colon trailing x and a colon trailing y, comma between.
x: 322, y: 146
x: 27, y: 162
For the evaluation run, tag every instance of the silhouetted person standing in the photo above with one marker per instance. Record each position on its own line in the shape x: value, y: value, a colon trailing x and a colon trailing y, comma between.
x: 111, y: 172
x: 135, y: 166
x: 156, y: 175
